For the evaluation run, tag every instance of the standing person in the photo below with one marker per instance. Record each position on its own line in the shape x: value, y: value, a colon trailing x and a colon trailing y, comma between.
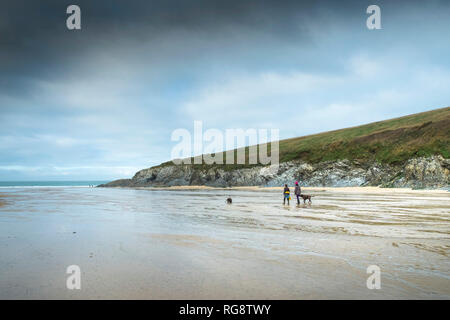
x: 287, y: 194
x: 297, y: 192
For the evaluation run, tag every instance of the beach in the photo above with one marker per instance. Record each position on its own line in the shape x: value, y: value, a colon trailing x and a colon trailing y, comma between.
x: 187, y: 243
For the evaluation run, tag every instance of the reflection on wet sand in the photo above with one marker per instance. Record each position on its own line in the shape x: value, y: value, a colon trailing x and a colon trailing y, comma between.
x: 188, y: 243
x: 2, y: 199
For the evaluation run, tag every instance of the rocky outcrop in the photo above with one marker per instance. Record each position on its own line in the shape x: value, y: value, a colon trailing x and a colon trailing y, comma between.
x: 432, y: 172
x: 424, y: 173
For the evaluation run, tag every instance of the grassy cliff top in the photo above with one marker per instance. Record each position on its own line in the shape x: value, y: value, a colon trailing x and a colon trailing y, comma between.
x: 390, y: 141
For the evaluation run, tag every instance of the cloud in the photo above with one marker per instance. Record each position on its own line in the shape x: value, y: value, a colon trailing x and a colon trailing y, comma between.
x: 365, y: 67
x: 250, y: 98
x: 372, y: 88
x: 103, y: 101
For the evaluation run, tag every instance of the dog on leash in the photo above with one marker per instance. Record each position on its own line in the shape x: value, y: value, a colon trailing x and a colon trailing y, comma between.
x: 306, y: 197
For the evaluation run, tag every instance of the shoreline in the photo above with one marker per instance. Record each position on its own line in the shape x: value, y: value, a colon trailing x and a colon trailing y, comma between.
x: 368, y: 189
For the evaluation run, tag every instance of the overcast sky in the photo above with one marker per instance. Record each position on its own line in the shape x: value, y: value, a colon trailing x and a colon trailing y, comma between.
x: 102, y: 102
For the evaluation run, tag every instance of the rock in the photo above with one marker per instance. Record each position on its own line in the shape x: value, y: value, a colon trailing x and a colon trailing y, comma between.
x: 424, y: 173
x: 431, y: 172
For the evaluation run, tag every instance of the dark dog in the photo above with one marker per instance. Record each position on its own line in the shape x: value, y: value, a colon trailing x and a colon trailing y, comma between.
x: 306, y: 197
x: 229, y: 200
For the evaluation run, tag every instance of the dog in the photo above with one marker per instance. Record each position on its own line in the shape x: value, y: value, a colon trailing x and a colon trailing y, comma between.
x: 306, y: 197
x: 229, y: 200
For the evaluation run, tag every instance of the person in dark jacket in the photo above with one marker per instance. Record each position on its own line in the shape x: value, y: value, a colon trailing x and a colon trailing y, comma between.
x: 297, y: 192
x: 286, y: 194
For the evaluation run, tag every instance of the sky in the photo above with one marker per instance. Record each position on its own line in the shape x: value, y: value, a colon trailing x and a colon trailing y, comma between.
x: 101, y: 103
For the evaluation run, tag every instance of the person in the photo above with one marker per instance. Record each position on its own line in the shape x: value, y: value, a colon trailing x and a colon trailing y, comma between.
x: 297, y: 192
x: 287, y: 194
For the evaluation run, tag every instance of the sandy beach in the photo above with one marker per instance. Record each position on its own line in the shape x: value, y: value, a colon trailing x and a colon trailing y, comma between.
x: 186, y: 243
x: 361, y: 190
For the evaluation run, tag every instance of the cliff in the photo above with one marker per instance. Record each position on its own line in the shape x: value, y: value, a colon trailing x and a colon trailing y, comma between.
x: 411, y: 151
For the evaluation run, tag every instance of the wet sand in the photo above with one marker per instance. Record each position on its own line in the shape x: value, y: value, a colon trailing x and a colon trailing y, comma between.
x: 2, y: 201
x: 186, y: 243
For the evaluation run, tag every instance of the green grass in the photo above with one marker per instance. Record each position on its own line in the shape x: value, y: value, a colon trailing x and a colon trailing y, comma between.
x: 391, y: 141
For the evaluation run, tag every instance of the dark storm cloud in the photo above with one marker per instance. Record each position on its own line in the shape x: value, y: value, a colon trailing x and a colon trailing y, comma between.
x: 35, y: 44
x: 34, y: 39
x: 36, y: 31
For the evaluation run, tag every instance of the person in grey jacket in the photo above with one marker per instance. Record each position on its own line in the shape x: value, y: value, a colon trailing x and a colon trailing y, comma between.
x: 297, y: 192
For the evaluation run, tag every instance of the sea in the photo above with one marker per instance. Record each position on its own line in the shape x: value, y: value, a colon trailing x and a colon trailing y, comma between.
x: 84, y: 183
